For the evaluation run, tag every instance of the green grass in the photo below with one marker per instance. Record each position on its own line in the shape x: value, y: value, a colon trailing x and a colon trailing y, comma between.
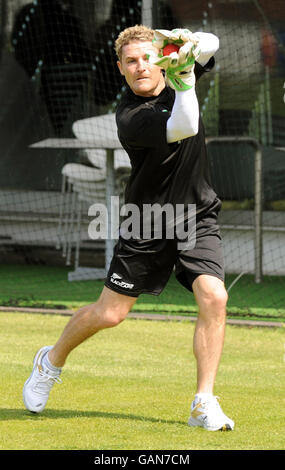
x: 47, y: 286
x: 130, y: 387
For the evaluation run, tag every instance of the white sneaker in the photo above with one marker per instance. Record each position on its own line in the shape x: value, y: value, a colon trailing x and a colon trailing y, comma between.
x: 39, y: 384
x: 208, y: 414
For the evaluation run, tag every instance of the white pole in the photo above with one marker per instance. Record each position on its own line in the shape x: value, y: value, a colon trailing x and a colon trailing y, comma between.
x: 147, y: 13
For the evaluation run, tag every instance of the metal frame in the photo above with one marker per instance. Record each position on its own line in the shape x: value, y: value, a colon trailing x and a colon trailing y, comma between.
x: 257, y: 195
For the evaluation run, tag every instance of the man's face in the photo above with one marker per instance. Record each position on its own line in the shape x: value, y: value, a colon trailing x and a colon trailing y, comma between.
x: 143, y: 78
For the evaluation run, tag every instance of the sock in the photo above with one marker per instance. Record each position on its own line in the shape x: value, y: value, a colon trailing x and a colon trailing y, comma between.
x: 51, y: 368
x: 203, y: 396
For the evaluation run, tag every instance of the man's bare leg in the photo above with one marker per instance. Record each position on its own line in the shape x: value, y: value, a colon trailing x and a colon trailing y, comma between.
x: 208, y: 342
x: 211, y: 297
x: 110, y: 310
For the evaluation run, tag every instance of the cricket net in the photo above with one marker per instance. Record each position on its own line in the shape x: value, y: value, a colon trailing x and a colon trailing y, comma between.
x: 58, y: 66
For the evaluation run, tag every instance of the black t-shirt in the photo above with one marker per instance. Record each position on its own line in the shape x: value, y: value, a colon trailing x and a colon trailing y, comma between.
x: 176, y: 173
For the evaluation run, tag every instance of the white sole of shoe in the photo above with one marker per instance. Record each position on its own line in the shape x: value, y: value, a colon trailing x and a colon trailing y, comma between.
x: 195, y: 422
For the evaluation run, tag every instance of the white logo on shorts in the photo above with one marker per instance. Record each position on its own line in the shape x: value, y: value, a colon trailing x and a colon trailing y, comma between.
x: 115, y: 280
x: 116, y: 276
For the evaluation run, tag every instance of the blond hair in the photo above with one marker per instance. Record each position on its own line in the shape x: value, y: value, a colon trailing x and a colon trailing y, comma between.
x: 133, y: 33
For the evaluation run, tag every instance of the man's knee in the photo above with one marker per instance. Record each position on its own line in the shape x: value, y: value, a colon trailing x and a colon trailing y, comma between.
x: 211, y: 294
x: 218, y: 298
x: 111, y: 308
x: 113, y: 316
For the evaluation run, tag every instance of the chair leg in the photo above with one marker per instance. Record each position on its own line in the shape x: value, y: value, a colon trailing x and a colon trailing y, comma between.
x: 70, y: 231
x: 60, y: 220
x: 78, y: 240
x: 66, y: 219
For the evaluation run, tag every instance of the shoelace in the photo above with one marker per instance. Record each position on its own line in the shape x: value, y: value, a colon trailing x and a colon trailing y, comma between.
x: 211, y: 405
x: 213, y: 401
x: 45, y: 382
x: 212, y: 409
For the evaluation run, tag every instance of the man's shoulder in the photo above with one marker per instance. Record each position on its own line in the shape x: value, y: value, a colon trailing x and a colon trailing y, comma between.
x: 133, y: 103
x: 127, y: 111
x: 128, y: 101
x: 131, y: 108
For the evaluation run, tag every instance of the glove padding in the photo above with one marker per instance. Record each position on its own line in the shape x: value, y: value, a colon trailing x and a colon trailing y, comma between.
x: 178, y: 36
x: 178, y: 66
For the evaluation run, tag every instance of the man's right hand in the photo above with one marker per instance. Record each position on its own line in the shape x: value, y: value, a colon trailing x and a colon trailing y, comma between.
x: 178, y: 66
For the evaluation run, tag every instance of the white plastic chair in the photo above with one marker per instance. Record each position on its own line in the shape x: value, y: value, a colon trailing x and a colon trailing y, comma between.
x: 97, y: 158
x: 76, y: 179
x: 82, y: 183
x: 84, y: 193
x: 101, y: 129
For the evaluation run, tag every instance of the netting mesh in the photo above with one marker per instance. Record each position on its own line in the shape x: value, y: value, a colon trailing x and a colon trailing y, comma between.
x: 58, y: 66
x: 67, y: 49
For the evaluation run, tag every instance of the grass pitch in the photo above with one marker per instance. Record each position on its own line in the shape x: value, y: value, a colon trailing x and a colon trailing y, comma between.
x: 130, y: 388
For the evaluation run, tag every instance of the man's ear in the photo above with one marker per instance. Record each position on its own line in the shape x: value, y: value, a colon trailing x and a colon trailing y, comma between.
x: 120, y: 67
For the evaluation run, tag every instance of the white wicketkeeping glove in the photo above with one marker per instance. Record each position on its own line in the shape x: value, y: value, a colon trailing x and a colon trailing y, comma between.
x: 179, y: 65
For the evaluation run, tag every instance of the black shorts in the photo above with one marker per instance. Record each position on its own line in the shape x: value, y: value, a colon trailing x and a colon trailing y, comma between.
x: 145, y: 266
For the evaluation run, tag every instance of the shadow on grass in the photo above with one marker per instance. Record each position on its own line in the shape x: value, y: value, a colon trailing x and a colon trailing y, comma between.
x: 8, y: 414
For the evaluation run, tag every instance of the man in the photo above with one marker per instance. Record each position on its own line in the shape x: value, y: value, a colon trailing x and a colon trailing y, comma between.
x: 160, y: 128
